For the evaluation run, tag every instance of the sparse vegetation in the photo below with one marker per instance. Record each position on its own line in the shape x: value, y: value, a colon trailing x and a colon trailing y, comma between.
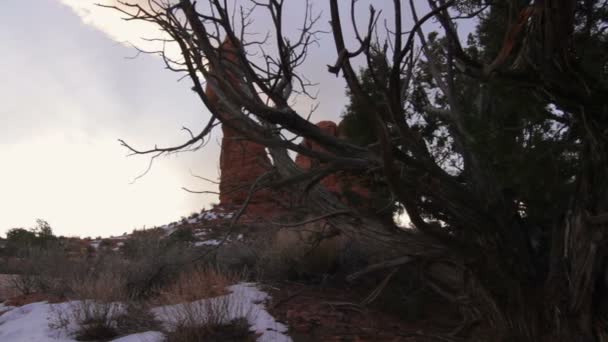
x: 198, y: 282
x: 236, y: 330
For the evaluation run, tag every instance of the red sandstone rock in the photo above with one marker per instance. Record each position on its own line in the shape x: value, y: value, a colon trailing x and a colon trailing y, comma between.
x: 242, y: 162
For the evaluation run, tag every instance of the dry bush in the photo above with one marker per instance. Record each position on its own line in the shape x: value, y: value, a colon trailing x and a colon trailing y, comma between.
x: 197, y: 283
x: 26, y: 283
x: 308, y: 252
x: 235, y: 331
x: 136, y: 318
x: 106, y: 285
x: 205, y: 320
x: 197, y: 307
x: 97, y: 310
x: 153, y: 262
x: 7, y: 287
x: 101, y: 310
x: 47, y: 271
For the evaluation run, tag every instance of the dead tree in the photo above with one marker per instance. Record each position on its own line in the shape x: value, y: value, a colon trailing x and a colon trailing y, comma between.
x: 464, y: 217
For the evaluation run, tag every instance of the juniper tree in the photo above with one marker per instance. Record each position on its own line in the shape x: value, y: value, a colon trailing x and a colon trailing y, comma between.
x: 494, y: 144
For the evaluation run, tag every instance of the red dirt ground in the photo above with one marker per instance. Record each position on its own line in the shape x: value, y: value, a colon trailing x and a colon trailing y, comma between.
x: 323, y: 314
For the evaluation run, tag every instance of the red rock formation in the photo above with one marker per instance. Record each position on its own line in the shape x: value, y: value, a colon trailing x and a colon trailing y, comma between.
x: 242, y: 161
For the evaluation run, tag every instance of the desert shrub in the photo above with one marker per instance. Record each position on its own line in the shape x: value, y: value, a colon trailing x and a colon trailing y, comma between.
x: 104, y: 282
x: 39, y: 259
x: 198, y: 282
x: 101, y: 309
x: 182, y: 234
x: 137, y: 317
x: 238, y: 256
x: 236, y: 330
x: 97, y: 309
x: 152, y: 262
x: 210, y: 319
x: 26, y: 283
x: 309, y: 253
x: 197, y: 307
x: 87, y: 320
x: 45, y: 270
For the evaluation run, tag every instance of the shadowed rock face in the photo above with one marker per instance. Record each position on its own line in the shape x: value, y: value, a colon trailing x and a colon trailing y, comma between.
x: 242, y: 162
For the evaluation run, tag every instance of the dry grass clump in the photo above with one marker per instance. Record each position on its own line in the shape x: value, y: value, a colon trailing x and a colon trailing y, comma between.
x: 222, y: 318
x: 105, y: 286
x: 97, y: 310
x: 235, y: 331
x: 198, y: 283
x: 198, y: 307
x: 101, y: 309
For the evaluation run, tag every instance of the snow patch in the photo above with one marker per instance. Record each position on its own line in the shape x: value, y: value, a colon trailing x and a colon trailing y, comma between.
x: 208, y: 243
x: 30, y: 323
x: 245, y: 300
x: 201, y: 233
x: 149, y: 336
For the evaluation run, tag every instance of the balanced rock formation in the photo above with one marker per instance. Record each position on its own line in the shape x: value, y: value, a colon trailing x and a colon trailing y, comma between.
x: 242, y: 162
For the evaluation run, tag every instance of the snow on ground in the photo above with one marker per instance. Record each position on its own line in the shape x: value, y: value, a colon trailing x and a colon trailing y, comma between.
x: 201, y: 233
x: 207, y: 243
x: 245, y: 300
x: 150, y: 336
x: 30, y: 323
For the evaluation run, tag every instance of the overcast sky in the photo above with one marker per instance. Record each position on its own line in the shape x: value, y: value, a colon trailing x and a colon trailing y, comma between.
x: 68, y: 92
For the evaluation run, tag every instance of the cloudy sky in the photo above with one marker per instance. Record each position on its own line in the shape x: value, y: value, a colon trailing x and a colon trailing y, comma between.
x: 68, y: 92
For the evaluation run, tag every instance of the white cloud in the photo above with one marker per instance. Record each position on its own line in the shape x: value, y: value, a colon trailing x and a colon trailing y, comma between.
x: 111, y: 22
